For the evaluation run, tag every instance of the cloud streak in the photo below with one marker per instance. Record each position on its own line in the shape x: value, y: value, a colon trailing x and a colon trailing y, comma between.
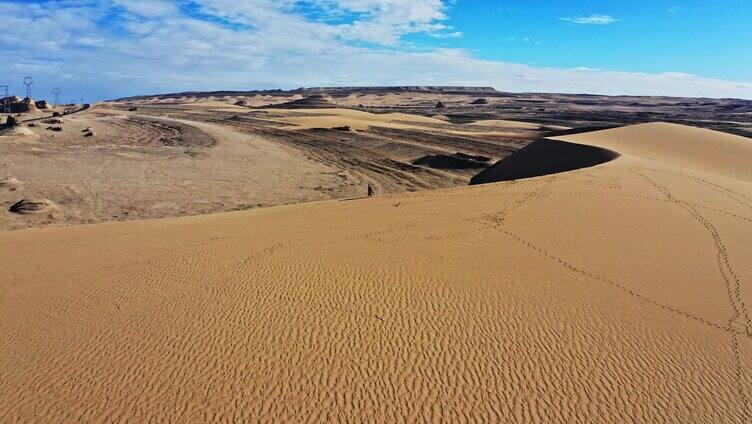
x: 591, y: 20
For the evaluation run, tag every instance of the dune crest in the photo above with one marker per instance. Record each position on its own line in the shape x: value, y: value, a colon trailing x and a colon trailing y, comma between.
x: 680, y: 145
x: 688, y: 147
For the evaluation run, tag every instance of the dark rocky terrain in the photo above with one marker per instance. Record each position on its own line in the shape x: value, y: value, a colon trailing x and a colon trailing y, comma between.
x: 461, y: 105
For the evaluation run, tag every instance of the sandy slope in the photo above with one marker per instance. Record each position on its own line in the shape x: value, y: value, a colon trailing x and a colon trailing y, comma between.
x: 617, y: 293
x: 169, y: 159
x: 361, y: 121
x: 518, y: 125
x: 139, y: 167
x: 695, y: 148
x: 357, y: 120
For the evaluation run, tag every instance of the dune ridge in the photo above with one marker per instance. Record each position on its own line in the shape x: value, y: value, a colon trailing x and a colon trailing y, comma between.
x: 687, y: 147
x: 680, y: 145
x: 613, y: 293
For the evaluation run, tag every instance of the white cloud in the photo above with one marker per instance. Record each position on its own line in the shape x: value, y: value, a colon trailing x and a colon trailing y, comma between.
x: 456, y: 34
x: 591, y: 20
x: 77, y: 46
x: 148, y: 8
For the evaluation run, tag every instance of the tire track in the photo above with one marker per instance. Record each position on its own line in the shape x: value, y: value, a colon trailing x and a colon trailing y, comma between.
x: 90, y: 195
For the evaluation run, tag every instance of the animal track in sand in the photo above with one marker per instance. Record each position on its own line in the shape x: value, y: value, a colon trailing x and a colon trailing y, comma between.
x: 731, y: 282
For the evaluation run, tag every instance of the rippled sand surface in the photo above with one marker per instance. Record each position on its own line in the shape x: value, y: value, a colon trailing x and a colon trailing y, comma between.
x: 617, y: 293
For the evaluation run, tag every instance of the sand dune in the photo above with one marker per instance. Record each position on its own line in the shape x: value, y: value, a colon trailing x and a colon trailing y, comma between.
x: 694, y: 148
x: 728, y: 115
x: 177, y: 159
x: 614, y: 293
x: 361, y: 120
x: 355, y: 119
x: 140, y: 166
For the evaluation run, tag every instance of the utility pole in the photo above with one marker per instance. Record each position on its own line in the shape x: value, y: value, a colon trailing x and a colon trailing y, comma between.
x: 27, y: 82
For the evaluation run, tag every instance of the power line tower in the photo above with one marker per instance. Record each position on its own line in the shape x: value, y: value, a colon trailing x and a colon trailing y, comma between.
x: 6, y: 104
x: 56, y: 93
x: 27, y: 82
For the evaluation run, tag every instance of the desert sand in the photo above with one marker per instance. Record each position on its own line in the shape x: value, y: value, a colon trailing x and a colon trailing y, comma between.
x: 613, y: 293
x: 136, y: 167
x: 164, y: 159
x: 688, y: 147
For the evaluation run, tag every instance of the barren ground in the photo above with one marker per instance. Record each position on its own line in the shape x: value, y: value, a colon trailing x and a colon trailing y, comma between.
x: 202, y: 157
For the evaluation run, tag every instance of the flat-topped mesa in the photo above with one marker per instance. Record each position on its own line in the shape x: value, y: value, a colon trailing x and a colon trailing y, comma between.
x: 402, y: 89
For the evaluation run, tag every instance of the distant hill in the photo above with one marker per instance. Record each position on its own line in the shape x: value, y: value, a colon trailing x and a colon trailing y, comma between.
x: 332, y: 91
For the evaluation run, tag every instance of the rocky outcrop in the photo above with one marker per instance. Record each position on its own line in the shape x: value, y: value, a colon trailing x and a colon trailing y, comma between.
x: 22, y: 106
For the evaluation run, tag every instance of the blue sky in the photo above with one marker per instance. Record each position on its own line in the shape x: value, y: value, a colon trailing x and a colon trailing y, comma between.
x: 101, y: 49
x: 702, y: 37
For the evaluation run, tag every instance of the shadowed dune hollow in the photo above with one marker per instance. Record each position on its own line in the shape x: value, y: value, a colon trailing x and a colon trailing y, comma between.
x: 544, y: 157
